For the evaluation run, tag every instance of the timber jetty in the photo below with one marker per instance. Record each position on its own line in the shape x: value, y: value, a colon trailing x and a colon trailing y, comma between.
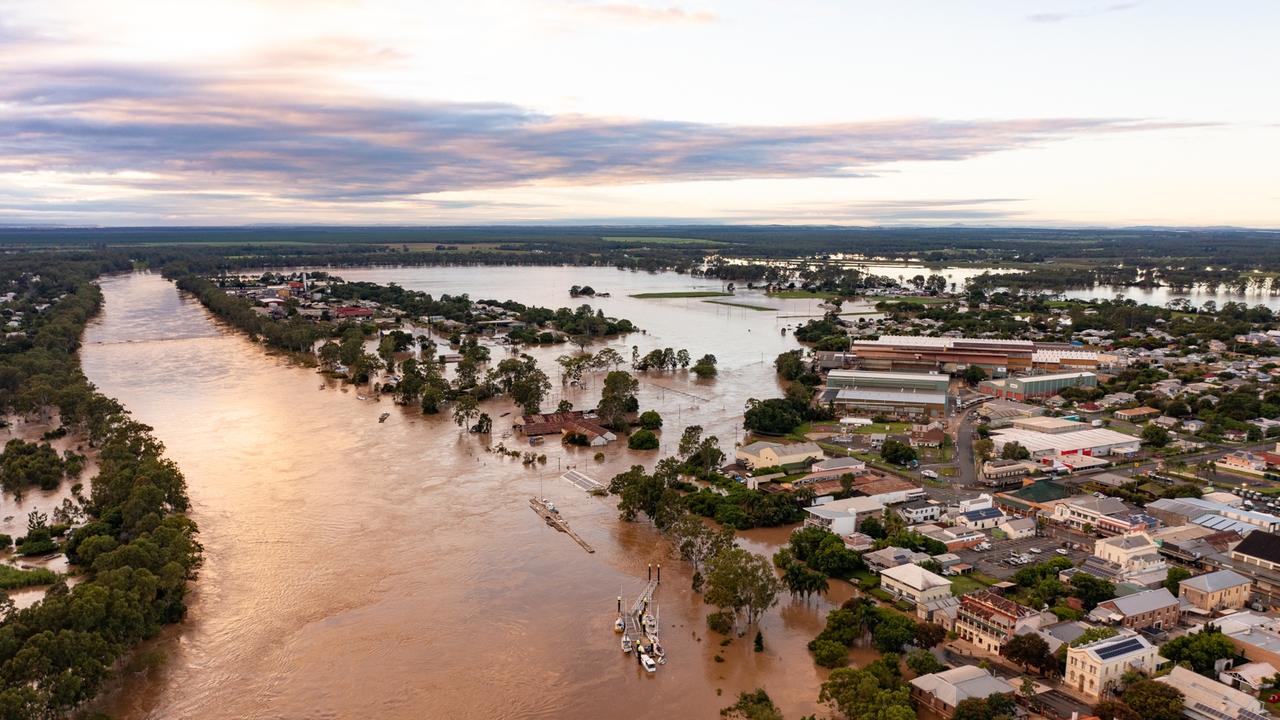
x: 547, y: 510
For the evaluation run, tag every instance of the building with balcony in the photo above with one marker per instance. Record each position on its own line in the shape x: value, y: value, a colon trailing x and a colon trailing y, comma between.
x: 989, y: 620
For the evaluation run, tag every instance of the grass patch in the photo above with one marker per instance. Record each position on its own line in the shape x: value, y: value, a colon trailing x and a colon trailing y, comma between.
x: 749, y: 306
x: 949, y: 471
x: 803, y: 295
x: 683, y: 294
x: 448, y: 247
x: 679, y: 241
x: 12, y: 578
x: 962, y: 584
x: 913, y: 299
x: 873, y: 428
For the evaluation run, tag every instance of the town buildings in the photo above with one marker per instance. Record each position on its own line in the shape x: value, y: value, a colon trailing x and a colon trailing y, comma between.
x: 997, y: 357
x: 1257, y: 557
x: 762, y: 454
x: 900, y: 395
x: 1102, y: 515
x: 1216, y: 591
x: 1206, y: 699
x: 1036, y: 387
x: 989, y: 620
x: 1096, y: 667
x: 1157, y: 609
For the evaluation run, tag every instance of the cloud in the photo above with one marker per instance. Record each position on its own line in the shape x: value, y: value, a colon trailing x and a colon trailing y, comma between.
x: 1053, y: 17
x: 904, y: 211
x: 151, y: 131
x: 634, y: 13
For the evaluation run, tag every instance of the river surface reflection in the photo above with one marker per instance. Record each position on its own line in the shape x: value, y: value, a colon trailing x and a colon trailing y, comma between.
x: 395, y: 570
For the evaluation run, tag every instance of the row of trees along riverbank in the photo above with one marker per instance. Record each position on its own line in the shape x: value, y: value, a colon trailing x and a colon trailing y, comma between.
x: 136, y: 548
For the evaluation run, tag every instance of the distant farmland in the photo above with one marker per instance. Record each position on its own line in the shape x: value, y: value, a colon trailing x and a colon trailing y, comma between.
x: 687, y: 242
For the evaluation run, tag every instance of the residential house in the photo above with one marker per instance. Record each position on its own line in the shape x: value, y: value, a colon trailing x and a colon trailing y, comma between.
x: 1148, y: 609
x: 955, y: 538
x: 891, y: 557
x: 1249, y: 677
x: 915, y: 584
x: 843, y: 516
x: 931, y: 438
x: 1207, y: 699
x: 1015, y: 529
x: 1136, y: 415
x: 942, y: 692
x: 920, y: 511
x: 1215, y: 591
x: 1242, y: 461
x: 1096, y: 667
x: 982, y: 519
x: 832, y: 468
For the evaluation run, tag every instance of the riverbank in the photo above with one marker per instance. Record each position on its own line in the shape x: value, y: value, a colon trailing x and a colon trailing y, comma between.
x: 141, y: 548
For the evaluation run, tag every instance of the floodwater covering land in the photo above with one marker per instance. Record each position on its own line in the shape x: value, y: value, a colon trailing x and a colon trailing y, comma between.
x: 363, y: 569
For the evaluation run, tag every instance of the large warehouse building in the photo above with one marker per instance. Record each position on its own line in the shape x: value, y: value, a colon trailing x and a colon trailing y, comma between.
x: 1036, y: 387
x: 949, y: 354
x: 1062, y: 440
x: 901, y: 395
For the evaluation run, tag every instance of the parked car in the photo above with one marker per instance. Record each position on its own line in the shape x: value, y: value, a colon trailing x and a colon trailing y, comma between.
x: 929, y: 474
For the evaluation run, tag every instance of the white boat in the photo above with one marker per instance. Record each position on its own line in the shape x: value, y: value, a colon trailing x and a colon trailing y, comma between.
x: 626, y: 644
x: 647, y: 663
x: 618, y: 625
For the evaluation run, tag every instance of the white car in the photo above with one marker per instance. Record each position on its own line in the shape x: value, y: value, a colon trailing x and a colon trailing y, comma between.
x: 1035, y: 551
x: 929, y: 474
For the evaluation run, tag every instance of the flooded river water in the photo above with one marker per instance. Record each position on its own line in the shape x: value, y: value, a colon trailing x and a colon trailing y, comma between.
x: 357, y: 569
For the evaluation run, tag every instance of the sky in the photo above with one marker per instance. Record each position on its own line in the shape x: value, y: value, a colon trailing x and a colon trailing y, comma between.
x: 890, y: 112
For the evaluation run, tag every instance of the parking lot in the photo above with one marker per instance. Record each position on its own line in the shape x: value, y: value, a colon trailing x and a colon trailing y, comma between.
x: 991, y: 562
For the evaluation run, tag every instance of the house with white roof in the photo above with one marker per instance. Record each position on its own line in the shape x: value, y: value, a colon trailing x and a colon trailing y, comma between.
x: 915, y: 584
x: 942, y: 692
x: 843, y: 517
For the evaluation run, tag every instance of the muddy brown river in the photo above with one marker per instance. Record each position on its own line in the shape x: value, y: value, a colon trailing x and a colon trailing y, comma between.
x: 355, y: 569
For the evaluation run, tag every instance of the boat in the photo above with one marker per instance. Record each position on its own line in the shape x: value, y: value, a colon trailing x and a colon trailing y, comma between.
x: 659, y: 653
x: 383, y: 417
x: 626, y: 644
x: 618, y: 625
x: 647, y: 663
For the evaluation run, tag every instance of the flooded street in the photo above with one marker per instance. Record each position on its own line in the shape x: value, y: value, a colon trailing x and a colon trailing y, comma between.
x: 395, y: 570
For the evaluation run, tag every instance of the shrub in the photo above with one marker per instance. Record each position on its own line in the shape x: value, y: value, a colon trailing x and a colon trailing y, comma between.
x: 830, y: 654
x: 720, y: 622
x: 643, y: 440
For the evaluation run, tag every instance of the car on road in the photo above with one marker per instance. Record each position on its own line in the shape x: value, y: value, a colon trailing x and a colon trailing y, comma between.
x: 1061, y: 551
x: 1035, y: 551
x: 929, y: 474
